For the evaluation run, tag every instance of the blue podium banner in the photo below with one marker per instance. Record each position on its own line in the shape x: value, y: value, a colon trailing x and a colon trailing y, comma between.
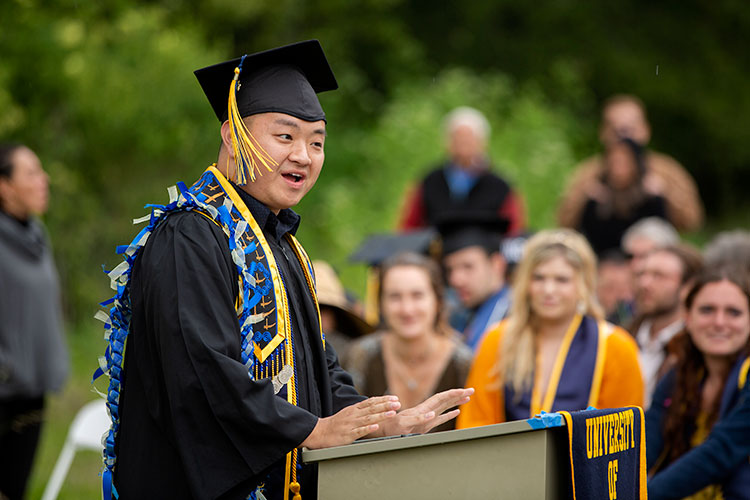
x: 607, y: 453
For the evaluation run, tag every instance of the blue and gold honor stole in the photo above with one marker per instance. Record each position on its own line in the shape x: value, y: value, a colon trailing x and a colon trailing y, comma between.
x: 607, y: 453
x: 735, y: 383
x: 575, y: 380
x: 262, y: 304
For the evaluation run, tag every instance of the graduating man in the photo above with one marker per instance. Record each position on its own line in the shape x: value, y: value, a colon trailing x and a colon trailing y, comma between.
x: 227, y: 372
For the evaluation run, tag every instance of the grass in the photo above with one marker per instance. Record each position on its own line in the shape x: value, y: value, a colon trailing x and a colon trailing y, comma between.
x: 84, y: 478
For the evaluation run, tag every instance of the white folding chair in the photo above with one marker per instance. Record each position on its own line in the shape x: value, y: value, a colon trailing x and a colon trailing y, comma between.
x: 85, y: 433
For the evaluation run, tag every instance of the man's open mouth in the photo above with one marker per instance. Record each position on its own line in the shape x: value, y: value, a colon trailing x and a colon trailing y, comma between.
x: 293, y: 177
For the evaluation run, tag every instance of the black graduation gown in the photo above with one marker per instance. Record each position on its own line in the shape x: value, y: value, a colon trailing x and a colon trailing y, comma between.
x: 193, y: 425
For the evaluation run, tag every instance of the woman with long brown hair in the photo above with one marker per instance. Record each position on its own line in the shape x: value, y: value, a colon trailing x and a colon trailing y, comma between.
x: 417, y: 354
x: 709, y: 372
x: 555, y: 351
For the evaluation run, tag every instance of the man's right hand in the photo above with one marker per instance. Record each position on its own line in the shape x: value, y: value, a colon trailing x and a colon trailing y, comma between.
x: 352, y: 422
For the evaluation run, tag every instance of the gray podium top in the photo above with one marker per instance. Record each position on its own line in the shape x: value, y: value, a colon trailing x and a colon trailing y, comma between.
x: 510, y: 460
x: 393, y: 443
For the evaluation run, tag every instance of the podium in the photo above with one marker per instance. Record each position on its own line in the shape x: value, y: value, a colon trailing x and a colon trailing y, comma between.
x: 511, y: 460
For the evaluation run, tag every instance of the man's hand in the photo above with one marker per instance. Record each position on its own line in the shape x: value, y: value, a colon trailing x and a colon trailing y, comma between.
x: 375, y: 417
x: 597, y: 191
x: 352, y: 423
x: 428, y: 414
x: 653, y: 184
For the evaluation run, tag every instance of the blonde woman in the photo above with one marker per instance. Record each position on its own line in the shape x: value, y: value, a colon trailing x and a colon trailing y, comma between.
x: 555, y: 351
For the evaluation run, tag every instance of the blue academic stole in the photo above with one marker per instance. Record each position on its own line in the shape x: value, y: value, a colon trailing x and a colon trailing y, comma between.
x: 576, y: 375
x: 490, y: 312
x: 262, y: 304
x: 737, y: 485
x: 607, y: 453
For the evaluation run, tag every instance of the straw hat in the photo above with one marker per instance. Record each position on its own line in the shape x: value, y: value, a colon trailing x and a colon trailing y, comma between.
x: 331, y: 293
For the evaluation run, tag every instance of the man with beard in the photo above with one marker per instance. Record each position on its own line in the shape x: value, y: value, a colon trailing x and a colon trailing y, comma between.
x: 658, y: 297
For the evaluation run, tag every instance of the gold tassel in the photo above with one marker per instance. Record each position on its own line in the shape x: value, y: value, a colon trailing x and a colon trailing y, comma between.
x: 249, y: 155
x: 372, y: 291
x: 294, y: 487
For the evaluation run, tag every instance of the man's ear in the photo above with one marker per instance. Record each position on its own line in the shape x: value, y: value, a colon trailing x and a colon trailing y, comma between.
x: 499, y: 263
x: 226, y: 138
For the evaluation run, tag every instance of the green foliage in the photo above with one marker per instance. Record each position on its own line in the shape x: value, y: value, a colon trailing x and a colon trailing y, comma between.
x: 103, y: 92
x: 111, y: 104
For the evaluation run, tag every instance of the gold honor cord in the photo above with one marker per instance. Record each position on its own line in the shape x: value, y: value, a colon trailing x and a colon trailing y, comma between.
x: 249, y: 155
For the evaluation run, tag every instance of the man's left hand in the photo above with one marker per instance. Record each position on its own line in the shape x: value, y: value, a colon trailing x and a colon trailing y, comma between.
x: 428, y: 414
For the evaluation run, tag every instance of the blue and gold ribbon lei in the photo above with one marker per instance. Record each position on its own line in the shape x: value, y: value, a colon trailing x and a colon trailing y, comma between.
x: 262, y: 304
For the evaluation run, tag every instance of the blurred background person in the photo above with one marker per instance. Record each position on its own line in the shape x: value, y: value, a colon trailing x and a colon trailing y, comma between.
x: 729, y: 248
x: 703, y: 385
x: 512, y: 249
x: 339, y: 319
x: 624, y: 194
x: 644, y: 236
x: 465, y: 181
x: 624, y: 116
x: 659, y: 290
x: 546, y: 355
x: 378, y: 248
x: 475, y: 269
x: 33, y: 356
x: 416, y: 354
x: 614, y: 287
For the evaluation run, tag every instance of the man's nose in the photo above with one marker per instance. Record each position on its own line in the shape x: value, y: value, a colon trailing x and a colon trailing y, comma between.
x: 300, y: 154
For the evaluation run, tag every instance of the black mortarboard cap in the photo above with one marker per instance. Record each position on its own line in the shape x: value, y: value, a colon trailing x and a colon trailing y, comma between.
x: 464, y: 230
x: 378, y: 247
x: 281, y: 80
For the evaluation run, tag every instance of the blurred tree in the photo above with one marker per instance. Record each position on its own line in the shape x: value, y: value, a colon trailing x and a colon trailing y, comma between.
x: 103, y: 91
x: 687, y: 60
x: 93, y: 91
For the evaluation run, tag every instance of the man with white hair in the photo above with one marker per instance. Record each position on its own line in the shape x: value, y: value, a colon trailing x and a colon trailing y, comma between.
x: 464, y: 183
x: 645, y: 236
x: 729, y: 249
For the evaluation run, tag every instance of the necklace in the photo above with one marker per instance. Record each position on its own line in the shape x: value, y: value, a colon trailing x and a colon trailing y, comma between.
x: 407, y: 377
x: 413, y: 371
x: 411, y: 384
